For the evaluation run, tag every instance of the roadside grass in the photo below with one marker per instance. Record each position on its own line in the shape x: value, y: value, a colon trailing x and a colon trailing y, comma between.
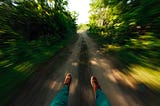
x: 20, y: 60
x: 138, y: 58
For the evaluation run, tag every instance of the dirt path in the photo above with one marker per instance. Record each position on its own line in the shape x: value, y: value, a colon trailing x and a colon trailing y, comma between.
x: 82, y: 60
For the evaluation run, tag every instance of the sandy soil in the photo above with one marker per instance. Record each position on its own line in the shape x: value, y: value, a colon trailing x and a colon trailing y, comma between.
x: 82, y: 59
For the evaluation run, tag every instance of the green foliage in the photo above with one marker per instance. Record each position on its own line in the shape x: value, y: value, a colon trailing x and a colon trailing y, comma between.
x: 30, y: 33
x: 122, y: 17
x: 119, y: 22
x: 82, y: 27
x: 20, y: 61
x: 128, y: 30
x: 32, y: 20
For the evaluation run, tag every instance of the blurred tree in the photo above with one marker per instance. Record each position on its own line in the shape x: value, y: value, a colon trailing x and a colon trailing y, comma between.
x: 123, y: 18
x: 31, y: 19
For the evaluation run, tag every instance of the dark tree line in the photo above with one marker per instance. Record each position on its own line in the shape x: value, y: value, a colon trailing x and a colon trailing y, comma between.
x: 31, y: 32
x: 26, y: 25
x: 31, y: 20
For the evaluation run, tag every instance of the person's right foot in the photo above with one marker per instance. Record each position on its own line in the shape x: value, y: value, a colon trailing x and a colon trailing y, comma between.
x: 95, y: 83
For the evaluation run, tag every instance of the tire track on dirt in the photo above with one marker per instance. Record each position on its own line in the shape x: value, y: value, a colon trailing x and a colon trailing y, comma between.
x: 83, y: 95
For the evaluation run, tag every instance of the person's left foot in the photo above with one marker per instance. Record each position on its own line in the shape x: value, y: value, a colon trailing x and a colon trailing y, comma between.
x: 68, y: 79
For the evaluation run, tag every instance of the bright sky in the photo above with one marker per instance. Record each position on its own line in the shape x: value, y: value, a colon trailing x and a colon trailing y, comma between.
x: 82, y: 8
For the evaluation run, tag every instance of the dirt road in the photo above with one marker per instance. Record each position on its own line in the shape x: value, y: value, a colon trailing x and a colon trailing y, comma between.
x: 82, y: 60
